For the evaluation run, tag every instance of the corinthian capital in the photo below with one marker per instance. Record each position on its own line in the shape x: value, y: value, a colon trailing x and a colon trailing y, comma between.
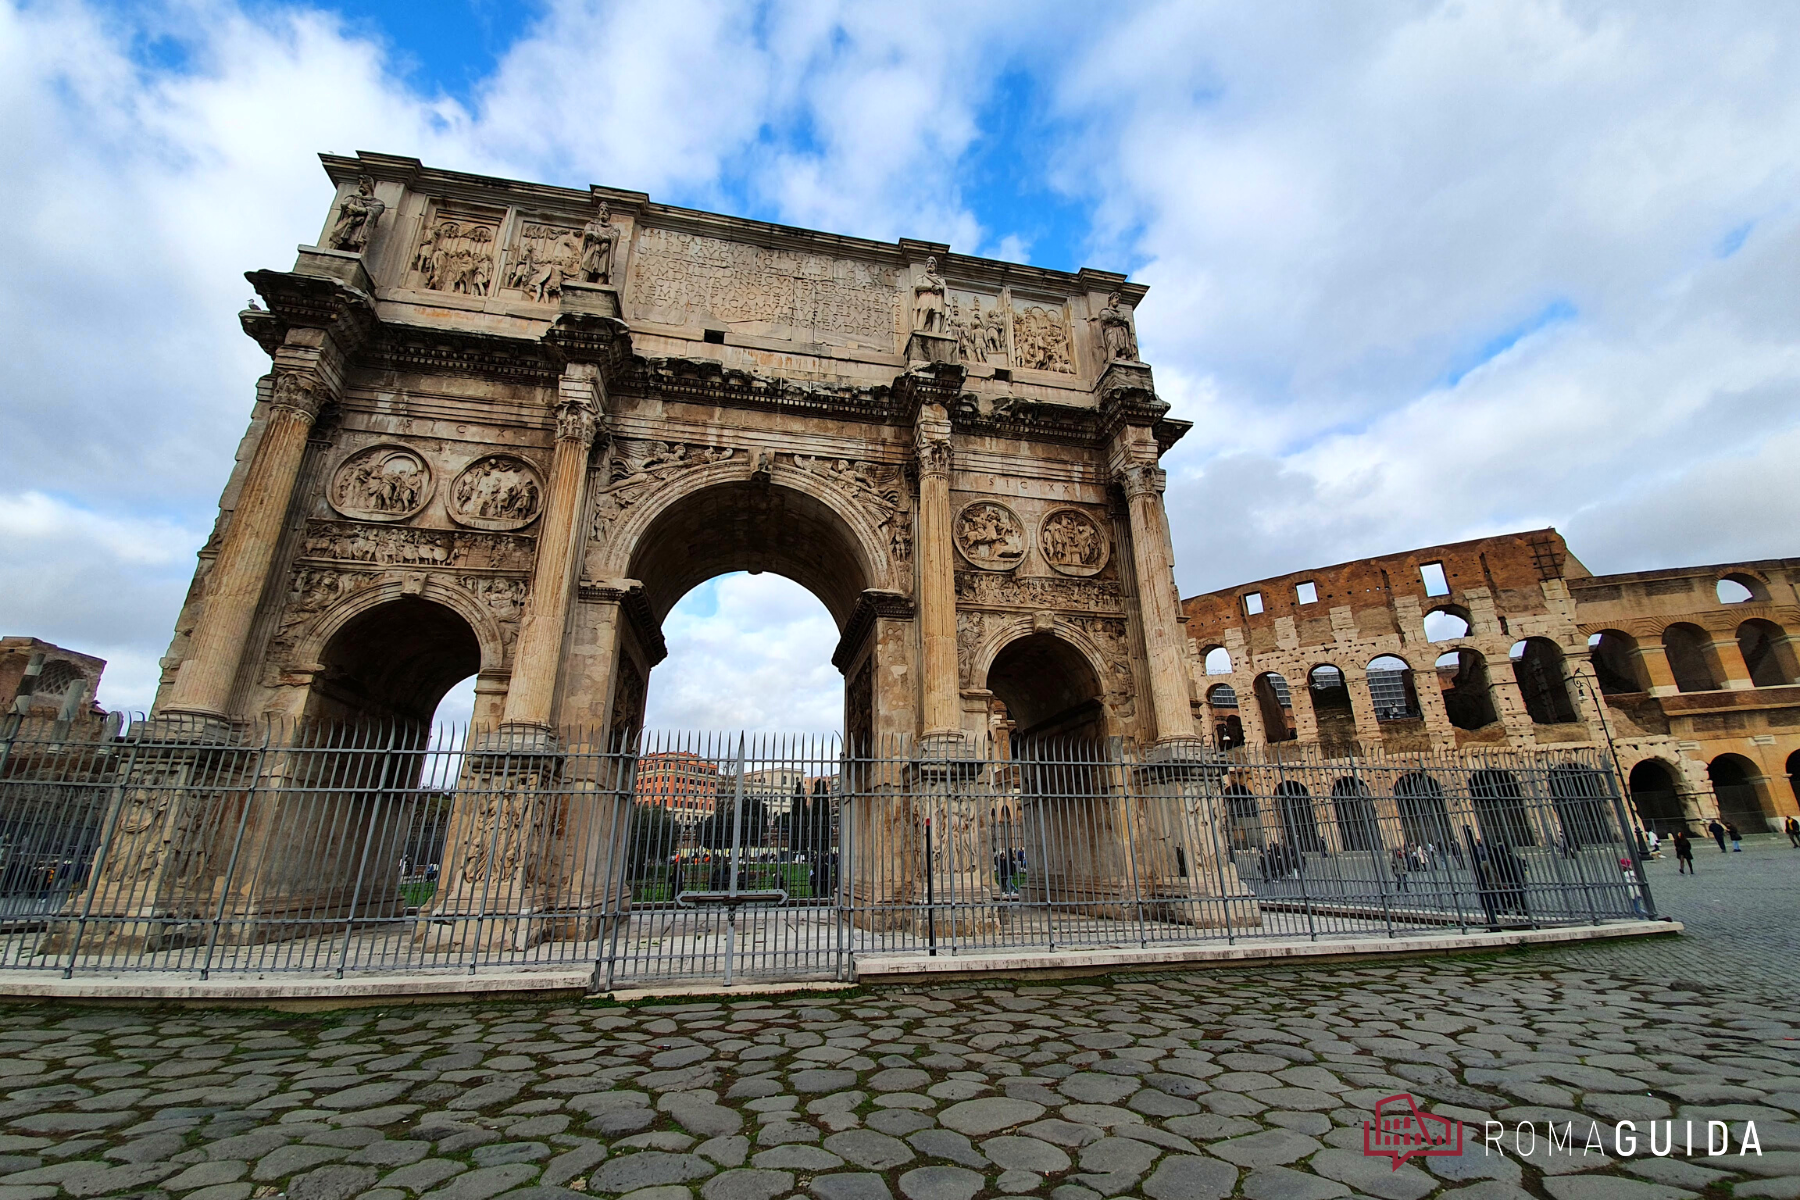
x: 300, y: 393
x: 931, y: 440
x: 575, y: 422
x: 1142, y: 479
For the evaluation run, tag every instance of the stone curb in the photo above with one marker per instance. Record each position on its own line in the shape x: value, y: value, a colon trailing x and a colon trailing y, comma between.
x: 903, y: 968
x: 304, y: 993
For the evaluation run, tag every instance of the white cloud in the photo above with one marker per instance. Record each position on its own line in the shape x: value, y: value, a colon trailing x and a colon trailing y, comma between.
x: 748, y: 652
x: 1339, y: 214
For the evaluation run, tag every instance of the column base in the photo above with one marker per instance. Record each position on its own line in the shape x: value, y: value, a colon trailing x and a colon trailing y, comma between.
x: 518, y: 737
x: 194, y: 725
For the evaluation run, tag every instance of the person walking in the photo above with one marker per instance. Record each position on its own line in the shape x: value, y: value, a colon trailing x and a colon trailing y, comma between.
x: 1792, y: 825
x: 1718, y: 833
x: 1737, y: 845
x: 1684, y: 853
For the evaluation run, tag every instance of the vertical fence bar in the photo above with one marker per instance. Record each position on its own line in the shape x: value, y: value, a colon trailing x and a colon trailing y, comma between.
x: 94, y: 877
x: 237, y: 843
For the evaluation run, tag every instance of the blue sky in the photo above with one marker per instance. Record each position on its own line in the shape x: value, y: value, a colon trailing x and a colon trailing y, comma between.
x: 1419, y: 270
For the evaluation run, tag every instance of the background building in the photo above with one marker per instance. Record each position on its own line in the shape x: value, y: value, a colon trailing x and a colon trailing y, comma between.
x: 1688, y: 673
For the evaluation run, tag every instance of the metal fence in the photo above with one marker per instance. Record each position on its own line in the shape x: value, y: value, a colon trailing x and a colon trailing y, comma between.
x: 387, y: 850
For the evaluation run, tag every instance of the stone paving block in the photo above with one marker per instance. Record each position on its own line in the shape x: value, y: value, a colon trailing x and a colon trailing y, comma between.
x: 1190, y: 1177
x: 576, y: 1162
x: 1375, y: 1176
x: 424, y: 1175
x: 1025, y: 1154
x: 225, y: 1191
x: 975, y: 1118
x: 858, y: 1185
x: 797, y: 1157
x: 648, y: 1168
x: 1283, y: 1183
x: 940, y: 1183
x: 338, y: 1182
x: 206, y: 1174
x: 1271, y: 1148
x: 748, y: 1184
x: 1610, y: 1187
x: 943, y: 1143
x: 869, y: 1148
x: 483, y: 1182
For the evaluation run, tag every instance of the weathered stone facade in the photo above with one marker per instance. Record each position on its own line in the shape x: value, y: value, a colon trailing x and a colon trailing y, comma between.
x: 45, y: 689
x: 1698, y: 695
x: 508, y: 426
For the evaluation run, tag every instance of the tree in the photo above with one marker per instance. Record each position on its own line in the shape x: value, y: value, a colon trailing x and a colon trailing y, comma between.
x: 654, y: 836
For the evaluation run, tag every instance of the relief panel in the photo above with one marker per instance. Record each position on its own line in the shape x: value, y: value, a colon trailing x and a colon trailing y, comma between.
x: 381, y: 483
x: 1072, y: 542
x: 689, y: 279
x: 541, y: 256
x: 990, y: 536
x: 456, y: 251
x: 1041, y: 338
x: 497, y: 492
x: 978, y: 323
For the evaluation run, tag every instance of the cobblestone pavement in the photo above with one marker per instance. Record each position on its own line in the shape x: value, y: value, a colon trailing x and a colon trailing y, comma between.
x: 1182, y: 1087
x: 1742, y: 913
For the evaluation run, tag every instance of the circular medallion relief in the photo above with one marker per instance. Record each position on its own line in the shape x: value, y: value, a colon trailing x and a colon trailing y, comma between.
x: 990, y: 536
x: 496, y: 492
x: 381, y: 483
x: 1071, y: 541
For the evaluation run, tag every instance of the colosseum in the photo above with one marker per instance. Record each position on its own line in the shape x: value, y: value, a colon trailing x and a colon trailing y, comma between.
x: 1686, y: 675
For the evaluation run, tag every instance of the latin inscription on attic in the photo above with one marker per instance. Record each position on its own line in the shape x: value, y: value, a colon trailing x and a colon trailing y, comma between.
x: 686, y: 279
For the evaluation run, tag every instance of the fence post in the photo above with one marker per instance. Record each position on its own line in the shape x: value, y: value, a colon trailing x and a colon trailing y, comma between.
x: 362, y: 865
x: 237, y: 843
x: 618, y: 857
x: 1629, y: 833
x: 1216, y: 802
x: 87, y: 904
x: 1129, y: 799
x: 1379, y: 853
x: 1288, y: 829
x: 843, y: 897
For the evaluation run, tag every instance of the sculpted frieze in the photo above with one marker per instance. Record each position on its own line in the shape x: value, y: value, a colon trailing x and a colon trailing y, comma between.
x: 381, y: 483
x: 877, y: 487
x: 684, y: 278
x: 990, y: 536
x: 391, y: 546
x: 1037, y: 593
x: 640, y: 466
x: 505, y: 597
x: 499, y: 492
x: 457, y: 255
x: 980, y: 335
x: 542, y: 256
x: 1072, y: 542
x: 1041, y: 340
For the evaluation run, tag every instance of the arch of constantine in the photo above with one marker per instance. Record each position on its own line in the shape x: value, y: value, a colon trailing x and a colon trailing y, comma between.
x: 508, y: 426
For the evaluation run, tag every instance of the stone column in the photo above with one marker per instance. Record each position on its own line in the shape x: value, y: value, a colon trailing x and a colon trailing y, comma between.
x: 1728, y: 656
x: 235, y: 584
x: 532, y: 692
x: 942, y: 706
x: 1153, y: 556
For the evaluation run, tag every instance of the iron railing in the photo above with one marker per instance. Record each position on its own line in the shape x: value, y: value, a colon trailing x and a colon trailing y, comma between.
x: 347, y: 851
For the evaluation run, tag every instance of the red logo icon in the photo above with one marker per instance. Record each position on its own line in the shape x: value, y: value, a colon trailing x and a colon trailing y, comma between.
x: 1400, y: 1131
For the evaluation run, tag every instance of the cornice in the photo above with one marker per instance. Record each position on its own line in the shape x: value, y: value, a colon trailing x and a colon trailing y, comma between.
x: 873, y: 604
x: 958, y: 269
x: 636, y: 610
x: 312, y: 302
x: 705, y: 381
x: 430, y: 349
